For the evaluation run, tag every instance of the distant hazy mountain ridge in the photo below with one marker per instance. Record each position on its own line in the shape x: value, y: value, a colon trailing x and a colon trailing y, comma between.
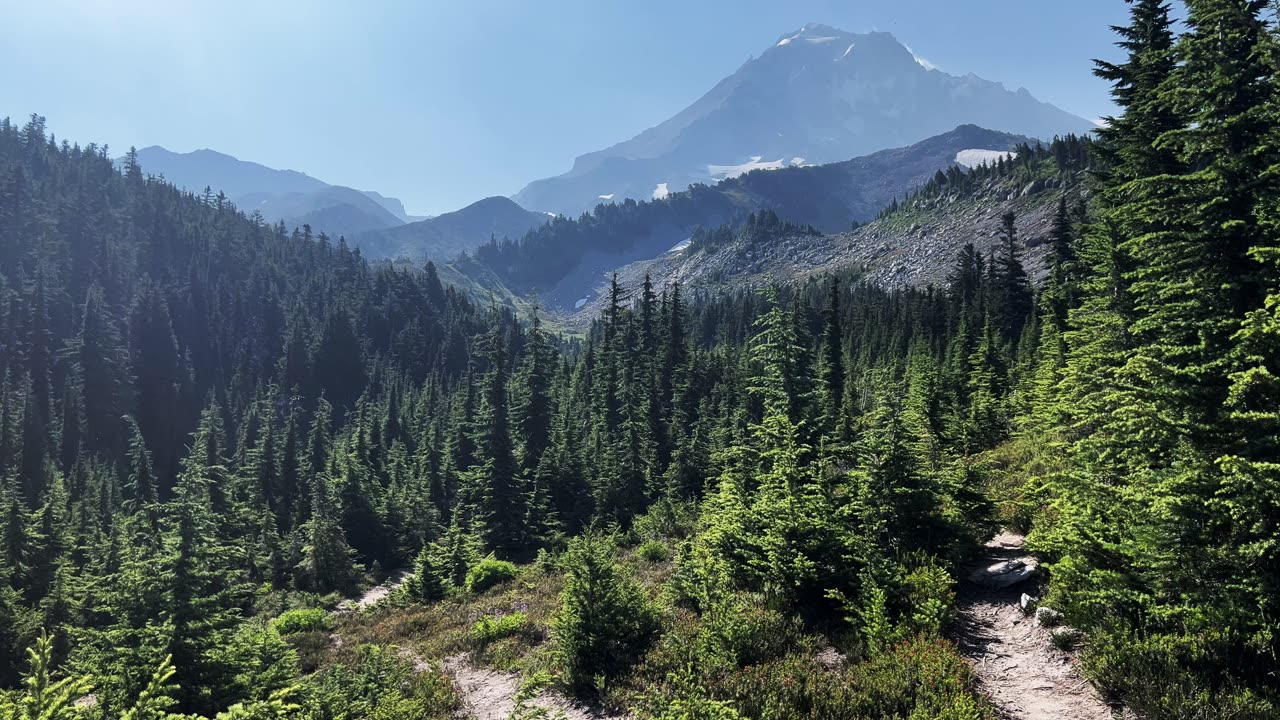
x: 288, y: 195
x: 445, y: 236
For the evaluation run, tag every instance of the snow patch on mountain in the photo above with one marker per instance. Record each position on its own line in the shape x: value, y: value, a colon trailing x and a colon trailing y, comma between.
x: 660, y: 192
x: 919, y: 60
x: 974, y: 157
x: 726, y: 172
x: 606, y: 197
x: 819, y: 40
x: 846, y: 52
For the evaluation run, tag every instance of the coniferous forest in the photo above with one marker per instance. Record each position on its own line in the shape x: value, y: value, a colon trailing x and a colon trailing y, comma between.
x: 217, y: 434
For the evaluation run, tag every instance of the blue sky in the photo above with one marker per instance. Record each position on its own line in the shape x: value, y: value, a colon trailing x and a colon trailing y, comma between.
x: 442, y: 103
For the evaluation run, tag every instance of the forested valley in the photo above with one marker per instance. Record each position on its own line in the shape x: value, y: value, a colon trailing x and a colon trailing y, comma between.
x: 216, y: 434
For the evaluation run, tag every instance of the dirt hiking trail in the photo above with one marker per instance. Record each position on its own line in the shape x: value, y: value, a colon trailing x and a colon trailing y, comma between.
x: 491, y: 695
x: 377, y: 593
x: 1015, y: 659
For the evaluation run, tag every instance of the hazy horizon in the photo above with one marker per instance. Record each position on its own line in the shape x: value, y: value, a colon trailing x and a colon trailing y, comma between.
x: 440, y: 106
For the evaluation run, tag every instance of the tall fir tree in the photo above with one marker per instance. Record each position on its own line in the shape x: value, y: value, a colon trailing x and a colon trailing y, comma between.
x: 499, y: 493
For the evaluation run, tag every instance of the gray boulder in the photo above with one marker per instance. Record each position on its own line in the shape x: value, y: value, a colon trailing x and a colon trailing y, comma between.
x: 1005, y: 574
x: 1048, y: 617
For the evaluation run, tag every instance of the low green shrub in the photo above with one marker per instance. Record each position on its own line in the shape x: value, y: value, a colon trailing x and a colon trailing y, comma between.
x: 495, y: 627
x: 1064, y: 638
x: 744, y: 630
x: 379, y: 686
x: 1013, y: 474
x: 530, y: 689
x: 312, y: 647
x: 302, y: 620
x: 920, y: 677
x: 489, y: 572
x: 667, y: 519
x: 1165, y: 675
x: 654, y: 551
x: 690, y: 699
x: 278, y: 601
x: 929, y: 596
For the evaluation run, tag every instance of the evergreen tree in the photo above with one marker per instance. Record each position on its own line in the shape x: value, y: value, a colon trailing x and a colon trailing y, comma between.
x: 44, y: 698
x: 338, y: 364
x: 500, y: 500
x: 141, y: 483
x: 318, y: 451
x: 900, y: 501
x: 202, y: 603
x: 831, y: 367
x: 157, y: 376
x: 605, y: 620
x: 17, y: 535
x: 534, y: 406
x: 1095, y: 402
x: 428, y: 581
x: 1010, y: 303
x: 327, y: 558
x: 96, y: 356
x: 777, y: 351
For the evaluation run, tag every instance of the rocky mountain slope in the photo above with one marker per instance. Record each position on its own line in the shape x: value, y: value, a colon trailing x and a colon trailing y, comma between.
x: 819, y: 95
x: 563, y: 261
x: 914, y: 244
x: 833, y: 197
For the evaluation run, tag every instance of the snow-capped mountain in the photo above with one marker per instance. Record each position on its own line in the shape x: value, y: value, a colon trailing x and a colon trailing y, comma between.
x: 819, y: 95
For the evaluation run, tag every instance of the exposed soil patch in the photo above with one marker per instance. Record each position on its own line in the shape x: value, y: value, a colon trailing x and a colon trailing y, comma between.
x: 376, y: 594
x: 491, y: 695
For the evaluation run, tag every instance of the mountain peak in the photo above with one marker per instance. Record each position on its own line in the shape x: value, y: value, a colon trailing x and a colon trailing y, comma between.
x: 818, y: 95
x: 821, y: 29
x: 817, y: 34
x: 812, y: 34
